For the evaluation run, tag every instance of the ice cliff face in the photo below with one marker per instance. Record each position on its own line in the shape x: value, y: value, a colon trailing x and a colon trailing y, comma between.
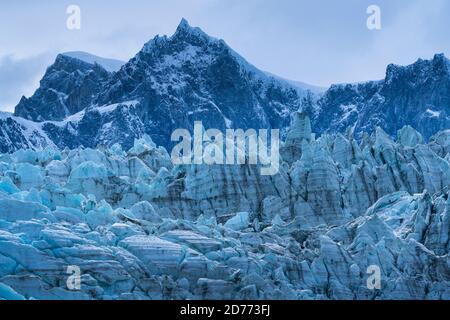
x: 417, y: 95
x: 139, y: 228
x: 86, y: 181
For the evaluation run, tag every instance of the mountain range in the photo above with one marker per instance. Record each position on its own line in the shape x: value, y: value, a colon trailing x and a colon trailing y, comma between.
x: 417, y: 95
x: 107, y: 198
x: 84, y: 100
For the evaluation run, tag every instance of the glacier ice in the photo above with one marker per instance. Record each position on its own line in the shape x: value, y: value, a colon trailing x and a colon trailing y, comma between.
x: 140, y: 228
x: 239, y: 222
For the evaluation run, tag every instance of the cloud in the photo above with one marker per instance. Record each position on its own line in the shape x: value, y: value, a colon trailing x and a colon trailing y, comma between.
x: 318, y: 42
x: 20, y: 76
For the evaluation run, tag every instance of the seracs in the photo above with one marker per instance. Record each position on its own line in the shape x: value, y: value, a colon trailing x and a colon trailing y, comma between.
x: 235, y: 147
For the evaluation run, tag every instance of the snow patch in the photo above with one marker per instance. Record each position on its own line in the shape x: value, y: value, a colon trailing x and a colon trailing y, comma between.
x: 348, y: 110
x: 112, y: 107
x: 433, y: 114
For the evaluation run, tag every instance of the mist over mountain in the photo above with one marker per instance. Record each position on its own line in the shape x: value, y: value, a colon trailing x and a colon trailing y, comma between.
x: 68, y: 86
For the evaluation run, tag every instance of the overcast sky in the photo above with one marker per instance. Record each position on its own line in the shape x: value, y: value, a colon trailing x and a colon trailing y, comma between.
x: 319, y: 42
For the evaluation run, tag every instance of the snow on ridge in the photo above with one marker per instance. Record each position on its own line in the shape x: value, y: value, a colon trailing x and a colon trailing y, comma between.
x: 76, y: 117
x: 6, y: 114
x: 432, y: 113
x: 111, y: 65
x: 192, y: 52
x: 112, y: 107
x: 185, y: 27
x: 32, y: 131
x: 347, y: 111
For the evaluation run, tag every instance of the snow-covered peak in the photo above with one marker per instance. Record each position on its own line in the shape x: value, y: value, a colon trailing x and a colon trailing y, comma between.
x: 421, y: 70
x: 184, y: 33
x: 185, y: 29
x: 441, y: 58
x: 69, y: 85
x: 184, y: 24
x: 192, y: 46
x: 153, y: 43
x: 415, y: 95
x: 111, y: 65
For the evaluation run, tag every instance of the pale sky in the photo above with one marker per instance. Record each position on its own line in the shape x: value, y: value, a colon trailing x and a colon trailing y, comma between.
x: 318, y: 42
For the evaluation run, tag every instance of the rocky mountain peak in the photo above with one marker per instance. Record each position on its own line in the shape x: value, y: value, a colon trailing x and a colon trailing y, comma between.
x: 185, y: 35
x: 172, y: 82
x: 417, y: 95
x: 68, y: 86
x: 421, y: 70
x: 191, y: 76
x: 69, y: 64
x: 185, y: 29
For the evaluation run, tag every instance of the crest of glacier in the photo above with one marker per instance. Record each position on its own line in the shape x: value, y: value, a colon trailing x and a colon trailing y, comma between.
x: 138, y: 227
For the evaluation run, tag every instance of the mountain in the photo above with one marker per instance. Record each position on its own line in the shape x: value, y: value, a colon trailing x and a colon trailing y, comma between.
x: 111, y: 65
x: 416, y: 95
x: 172, y: 82
x: 68, y: 86
x: 299, y: 84
x: 104, y: 125
x: 191, y: 76
x: 105, y: 198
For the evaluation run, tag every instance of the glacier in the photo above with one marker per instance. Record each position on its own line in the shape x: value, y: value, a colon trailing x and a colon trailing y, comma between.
x: 87, y: 182
x: 138, y: 227
x: 86, y: 101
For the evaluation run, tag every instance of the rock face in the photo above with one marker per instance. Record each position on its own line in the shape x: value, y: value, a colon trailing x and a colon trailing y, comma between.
x: 17, y: 133
x: 417, y: 95
x: 138, y: 227
x: 68, y: 86
x: 95, y: 126
x: 172, y: 82
x: 192, y: 76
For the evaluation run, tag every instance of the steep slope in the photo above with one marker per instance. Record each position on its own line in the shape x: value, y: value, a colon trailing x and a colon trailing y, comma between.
x: 416, y: 95
x: 68, y: 86
x: 17, y: 133
x: 173, y: 81
x: 192, y: 76
x: 104, y: 125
